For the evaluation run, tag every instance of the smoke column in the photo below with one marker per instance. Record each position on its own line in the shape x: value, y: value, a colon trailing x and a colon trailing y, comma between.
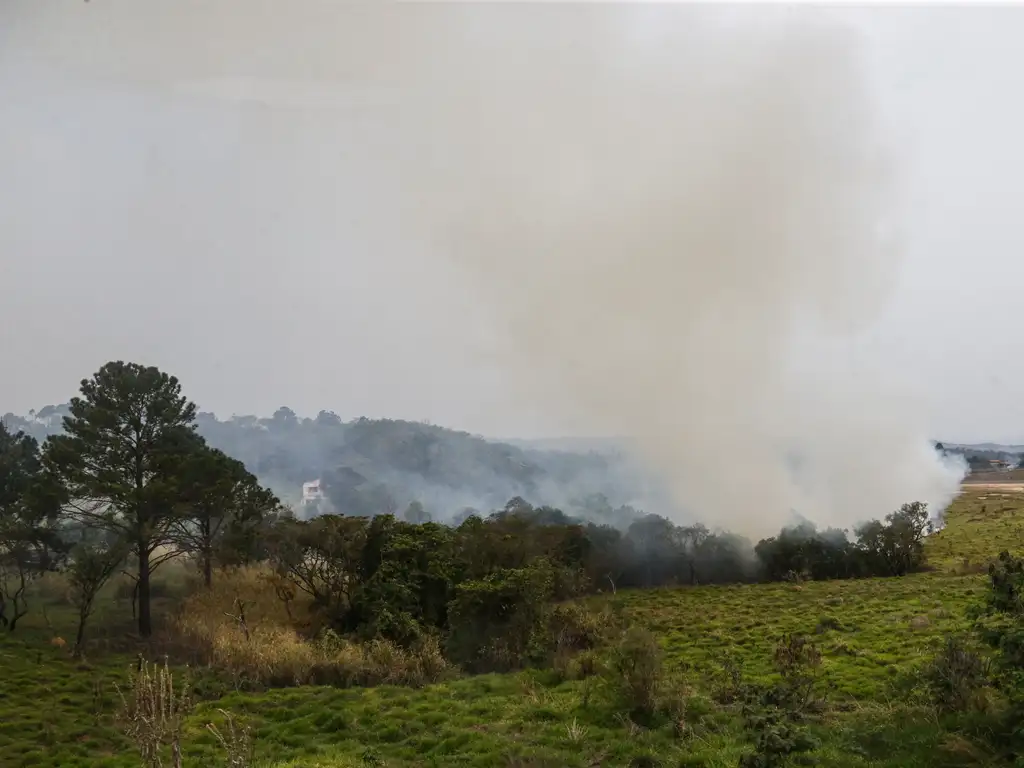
x: 678, y: 221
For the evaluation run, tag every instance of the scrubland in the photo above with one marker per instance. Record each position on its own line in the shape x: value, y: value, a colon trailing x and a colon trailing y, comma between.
x: 678, y: 696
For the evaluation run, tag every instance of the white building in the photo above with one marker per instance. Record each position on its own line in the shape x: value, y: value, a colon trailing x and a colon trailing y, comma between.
x: 312, y: 493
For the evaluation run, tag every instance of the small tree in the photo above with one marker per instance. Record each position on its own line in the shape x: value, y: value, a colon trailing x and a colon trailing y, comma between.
x: 92, y: 563
x: 221, y: 504
x: 896, y: 547
x: 498, y: 622
x: 322, y: 557
x: 30, y: 544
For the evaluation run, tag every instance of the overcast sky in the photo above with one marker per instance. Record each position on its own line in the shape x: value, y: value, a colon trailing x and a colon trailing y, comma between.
x: 180, y: 185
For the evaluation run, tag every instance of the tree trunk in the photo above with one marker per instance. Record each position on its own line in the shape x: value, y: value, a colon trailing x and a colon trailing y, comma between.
x: 145, y: 616
x: 83, y: 617
x: 208, y: 568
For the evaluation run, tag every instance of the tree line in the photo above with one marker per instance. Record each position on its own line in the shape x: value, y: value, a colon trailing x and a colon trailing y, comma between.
x: 371, y: 465
x: 130, y: 484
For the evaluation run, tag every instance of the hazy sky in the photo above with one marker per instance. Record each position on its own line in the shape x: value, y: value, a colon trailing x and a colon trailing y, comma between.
x: 184, y: 184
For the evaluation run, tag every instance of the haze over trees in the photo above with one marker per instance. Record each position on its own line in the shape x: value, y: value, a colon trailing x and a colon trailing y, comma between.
x: 371, y: 594
x: 127, y: 480
x: 369, y: 466
x: 130, y: 481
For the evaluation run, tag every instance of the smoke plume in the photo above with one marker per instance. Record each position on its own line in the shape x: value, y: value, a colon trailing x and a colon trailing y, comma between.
x: 678, y: 222
x: 682, y: 223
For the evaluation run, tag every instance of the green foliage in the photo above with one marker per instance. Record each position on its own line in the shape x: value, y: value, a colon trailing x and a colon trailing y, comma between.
x: 774, y: 715
x: 776, y: 739
x: 896, y: 547
x: 408, y: 578
x: 537, y: 718
x: 220, y: 508
x: 637, y: 666
x: 323, y: 557
x: 957, y: 676
x: 120, y: 460
x: 30, y: 540
x: 1001, y: 626
x: 93, y: 561
x: 498, y: 622
x: 131, y: 466
x: 893, y: 547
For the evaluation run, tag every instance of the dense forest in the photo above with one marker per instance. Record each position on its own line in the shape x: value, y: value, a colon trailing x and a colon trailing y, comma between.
x: 369, y: 467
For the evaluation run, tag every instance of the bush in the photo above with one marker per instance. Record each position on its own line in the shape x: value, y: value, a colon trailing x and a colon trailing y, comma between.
x: 775, y: 740
x: 637, y: 670
x: 798, y: 662
x: 279, y: 658
x: 957, y: 677
x: 243, y: 629
x: 773, y: 716
x: 254, y: 589
x: 500, y: 623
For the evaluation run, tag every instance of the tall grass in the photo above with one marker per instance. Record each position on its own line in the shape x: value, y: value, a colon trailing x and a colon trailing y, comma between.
x: 242, y: 628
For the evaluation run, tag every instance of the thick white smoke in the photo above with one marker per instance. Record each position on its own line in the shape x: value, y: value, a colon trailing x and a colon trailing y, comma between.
x: 679, y: 226
x: 677, y: 217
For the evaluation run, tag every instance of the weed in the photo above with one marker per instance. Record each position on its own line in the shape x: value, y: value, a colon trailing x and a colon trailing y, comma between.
x: 575, y: 732
x: 154, y: 711
x: 236, y: 740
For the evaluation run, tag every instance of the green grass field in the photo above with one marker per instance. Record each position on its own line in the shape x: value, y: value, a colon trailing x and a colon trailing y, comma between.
x: 873, y: 634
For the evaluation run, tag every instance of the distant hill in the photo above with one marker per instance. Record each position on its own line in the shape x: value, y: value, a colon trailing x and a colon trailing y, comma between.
x: 986, y: 447
x: 371, y: 466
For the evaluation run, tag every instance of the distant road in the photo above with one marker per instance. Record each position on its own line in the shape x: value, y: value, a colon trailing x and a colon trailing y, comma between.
x: 1005, y: 487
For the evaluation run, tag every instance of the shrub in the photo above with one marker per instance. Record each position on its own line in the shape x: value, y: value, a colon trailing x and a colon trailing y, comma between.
x: 253, y: 643
x: 772, y: 716
x: 256, y: 589
x: 956, y: 677
x: 775, y: 740
x: 499, y: 623
x: 798, y: 662
x: 636, y: 665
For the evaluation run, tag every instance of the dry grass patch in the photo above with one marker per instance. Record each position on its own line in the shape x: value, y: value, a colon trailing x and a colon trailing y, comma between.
x: 245, y: 629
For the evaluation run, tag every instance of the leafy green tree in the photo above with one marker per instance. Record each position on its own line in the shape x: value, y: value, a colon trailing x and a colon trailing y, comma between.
x: 221, y: 505
x: 409, y: 574
x: 121, y: 459
x: 896, y: 547
x: 322, y: 557
x: 30, y: 542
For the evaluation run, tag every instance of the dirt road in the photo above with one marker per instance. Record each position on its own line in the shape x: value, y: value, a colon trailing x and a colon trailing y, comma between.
x: 990, y: 487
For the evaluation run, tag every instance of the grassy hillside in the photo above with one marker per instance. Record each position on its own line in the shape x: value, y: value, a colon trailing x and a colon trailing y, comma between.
x: 873, y: 635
